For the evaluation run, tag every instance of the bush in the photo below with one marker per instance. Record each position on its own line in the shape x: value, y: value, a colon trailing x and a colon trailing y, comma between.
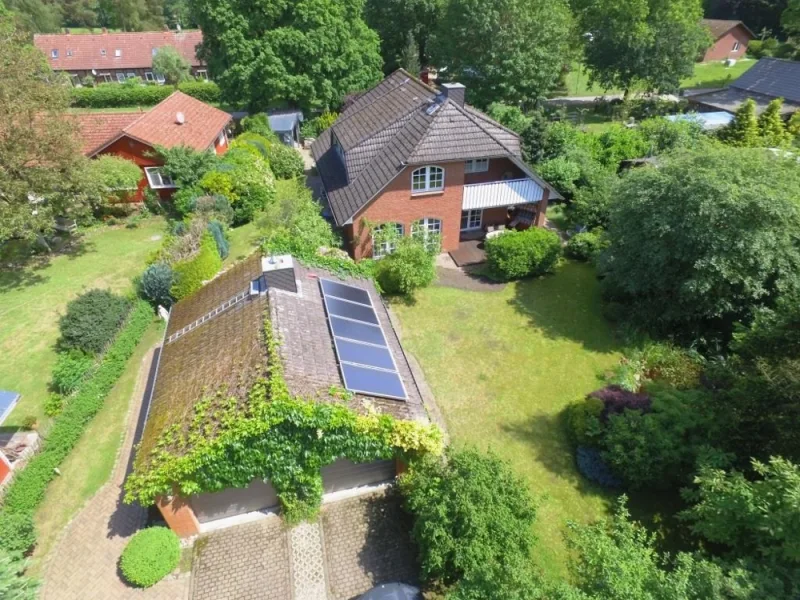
x: 216, y: 231
x: 117, y: 177
x: 28, y: 486
x: 258, y: 124
x: 584, y: 246
x: 150, y: 555
x: 190, y: 274
x: 69, y: 371
x: 286, y: 162
x: 53, y: 405
x: 156, y: 283
x: 91, y: 321
x: 592, y: 466
x: 207, y: 91
x: 516, y: 254
x: 616, y: 400
x: 313, y: 128
x: 186, y: 166
x: 472, y: 522
x: 216, y: 207
x: 111, y: 95
x: 407, y: 269
x: 583, y: 419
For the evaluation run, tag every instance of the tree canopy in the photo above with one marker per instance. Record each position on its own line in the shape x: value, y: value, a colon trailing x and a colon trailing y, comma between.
x: 399, y: 22
x: 503, y: 50
x: 307, y: 52
x: 649, y: 43
x: 171, y: 64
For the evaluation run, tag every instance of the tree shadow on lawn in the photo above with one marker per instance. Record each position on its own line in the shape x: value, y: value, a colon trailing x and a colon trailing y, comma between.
x: 567, y: 305
x: 21, y: 262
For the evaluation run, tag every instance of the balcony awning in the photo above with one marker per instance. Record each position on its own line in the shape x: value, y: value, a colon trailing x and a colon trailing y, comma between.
x: 501, y: 193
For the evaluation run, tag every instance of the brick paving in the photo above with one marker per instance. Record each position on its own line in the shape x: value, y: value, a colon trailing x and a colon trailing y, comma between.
x: 83, y: 565
x: 308, y: 562
x: 367, y: 543
x: 245, y: 562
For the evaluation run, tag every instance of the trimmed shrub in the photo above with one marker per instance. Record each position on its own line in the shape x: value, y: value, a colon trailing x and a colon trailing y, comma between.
x: 615, y: 400
x: 286, y: 162
x: 207, y: 91
x: 312, y: 128
x: 516, y: 254
x: 110, y: 95
x: 155, y: 284
x: 215, y: 228
x: 53, y: 405
x: 190, y: 274
x: 92, y: 319
x: 258, y: 124
x: 592, y: 466
x: 70, y: 369
x: 150, y: 555
x: 28, y: 487
x: 584, y: 246
x: 407, y: 269
x: 216, y: 206
x: 583, y: 419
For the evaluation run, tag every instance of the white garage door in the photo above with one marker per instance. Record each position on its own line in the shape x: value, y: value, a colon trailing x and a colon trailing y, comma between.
x: 234, y: 501
x: 344, y: 474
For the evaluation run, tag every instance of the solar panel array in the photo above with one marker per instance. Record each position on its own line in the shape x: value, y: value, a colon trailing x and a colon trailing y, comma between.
x: 366, y: 363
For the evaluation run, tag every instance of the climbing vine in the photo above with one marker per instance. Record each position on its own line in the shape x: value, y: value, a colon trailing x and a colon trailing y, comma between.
x: 273, y: 436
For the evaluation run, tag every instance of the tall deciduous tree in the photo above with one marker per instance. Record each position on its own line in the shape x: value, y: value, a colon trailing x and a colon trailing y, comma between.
x: 394, y: 20
x: 36, y: 15
x: 171, y: 64
x: 648, y: 43
x: 503, y: 50
x: 704, y: 240
x: 40, y: 163
x: 306, y: 52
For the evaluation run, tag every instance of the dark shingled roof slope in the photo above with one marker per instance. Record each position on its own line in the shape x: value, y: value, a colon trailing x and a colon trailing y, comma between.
x: 775, y: 77
x: 719, y: 27
x: 400, y: 122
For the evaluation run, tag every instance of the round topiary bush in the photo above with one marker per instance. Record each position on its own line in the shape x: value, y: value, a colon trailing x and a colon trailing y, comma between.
x: 92, y: 320
x: 584, y: 246
x: 150, y: 555
x: 516, y: 254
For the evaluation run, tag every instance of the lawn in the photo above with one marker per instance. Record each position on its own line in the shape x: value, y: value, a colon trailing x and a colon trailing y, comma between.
x: 503, y: 366
x: 243, y: 241
x: 91, y: 462
x: 33, y: 297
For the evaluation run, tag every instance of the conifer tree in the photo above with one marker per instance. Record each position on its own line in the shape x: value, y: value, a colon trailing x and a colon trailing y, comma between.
x: 743, y: 131
x: 771, y: 126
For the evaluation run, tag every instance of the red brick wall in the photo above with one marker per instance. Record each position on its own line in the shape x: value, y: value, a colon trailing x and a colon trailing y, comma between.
x: 139, y: 153
x: 178, y: 514
x: 722, y: 49
x: 396, y: 204
x: 498, y: 167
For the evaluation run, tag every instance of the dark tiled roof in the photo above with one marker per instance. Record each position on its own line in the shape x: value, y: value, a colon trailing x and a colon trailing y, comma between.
x: 719, y: 27
x: 399, y: 122
x: 730, y: 99
x: 773, y: 77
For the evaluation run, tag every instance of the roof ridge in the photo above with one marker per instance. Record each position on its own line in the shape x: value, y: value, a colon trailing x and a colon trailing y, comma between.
x: 357, y: 111
x: 198, y: 30
x: 489, y: 133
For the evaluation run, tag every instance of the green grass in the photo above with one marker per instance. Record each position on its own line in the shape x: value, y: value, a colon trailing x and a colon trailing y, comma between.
x: 503, y: 366
x: 243, y: 242
x: 32, y: 299
x: 91, y: 462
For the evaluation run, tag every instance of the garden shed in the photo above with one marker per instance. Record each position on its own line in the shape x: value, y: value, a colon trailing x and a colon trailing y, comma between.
x: 286, y: 124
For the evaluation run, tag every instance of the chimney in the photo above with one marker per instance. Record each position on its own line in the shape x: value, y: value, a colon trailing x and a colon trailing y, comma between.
x: 425, y: 75
x: 455, y: 92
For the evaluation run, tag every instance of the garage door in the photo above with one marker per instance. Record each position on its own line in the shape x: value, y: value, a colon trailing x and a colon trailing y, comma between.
x: 234, y: 501
x: 344, y: 474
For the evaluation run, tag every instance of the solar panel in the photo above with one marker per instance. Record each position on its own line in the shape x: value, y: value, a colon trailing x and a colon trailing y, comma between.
x: 364, y: 354
x: 351, y: 310
x: 354, y: 330
x: 8, y: 401
x: 348, y: 292
x: 372, y: 381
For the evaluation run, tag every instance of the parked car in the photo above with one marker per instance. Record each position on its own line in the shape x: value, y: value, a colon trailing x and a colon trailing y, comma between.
x: 393, y: 591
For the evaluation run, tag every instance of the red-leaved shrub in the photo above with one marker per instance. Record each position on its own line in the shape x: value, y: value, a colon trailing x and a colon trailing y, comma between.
x: 616, y: 400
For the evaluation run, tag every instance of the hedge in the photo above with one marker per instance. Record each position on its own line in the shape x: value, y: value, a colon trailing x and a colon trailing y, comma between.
x: 28, y: 487
x: 151, y: 555
x: 516, y: 254
x: 111, y: 95
x: 92, y: 320
x: 190, y: 274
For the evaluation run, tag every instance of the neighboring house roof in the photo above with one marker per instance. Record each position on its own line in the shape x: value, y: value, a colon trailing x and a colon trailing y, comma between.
x: 98, y: 129
x: 201, y: 125
x: 708, y: 121
x: 285, y: 120
x: 719, y: 27
x: 766, y: 80
x: 227, y: 350
x: 84, y: 52
x: 400, y: 122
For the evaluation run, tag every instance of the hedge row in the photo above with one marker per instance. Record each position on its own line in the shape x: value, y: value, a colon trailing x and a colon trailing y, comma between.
x: 28, y: 487
x: 190, y: 274
x: 111, y: 95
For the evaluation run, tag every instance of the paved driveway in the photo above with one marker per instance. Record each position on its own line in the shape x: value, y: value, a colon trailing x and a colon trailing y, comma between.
x: 356, y: 544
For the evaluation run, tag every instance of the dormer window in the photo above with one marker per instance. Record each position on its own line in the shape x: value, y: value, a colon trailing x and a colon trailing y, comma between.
x: 53, y: 53
x: 103, y: 52
x: 476, y: 165
x: 117, y: 52
x: 427, y: 179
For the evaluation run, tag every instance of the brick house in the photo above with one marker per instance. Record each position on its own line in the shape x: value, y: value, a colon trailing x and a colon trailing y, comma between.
x: 408, y: 156
x: 115, y: 57
x: 179, y: 120
x: 214, y: 341
x: 731, y: 39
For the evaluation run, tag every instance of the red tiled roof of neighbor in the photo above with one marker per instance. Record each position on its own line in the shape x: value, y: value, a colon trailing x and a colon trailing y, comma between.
x: 719, y: 27
x: 84, y: 51
x: 97, y: 129
x: 202, y: 123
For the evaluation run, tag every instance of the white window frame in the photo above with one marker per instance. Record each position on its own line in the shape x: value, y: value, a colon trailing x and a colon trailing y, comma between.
x: 160, y: 78
x: 470, y: 216
x: 423, y: 229
x: 120, y: 77
x: 69, y: 52
x: 102, y: 51
x: 117, y: 53
x: 54, y: 53
x: 424, y: 176
x: 157, y: 181
x: 735, y: 46
x: 130, y: 75
x: 106, y: 77
x: 148, y: 76
x: 476, y: 165
x: 202, y: 74
x: 385, y: 247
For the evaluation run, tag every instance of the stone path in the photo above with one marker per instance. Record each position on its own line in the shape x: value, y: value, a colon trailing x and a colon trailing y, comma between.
x: 83, y: 565
x: 308, y: 562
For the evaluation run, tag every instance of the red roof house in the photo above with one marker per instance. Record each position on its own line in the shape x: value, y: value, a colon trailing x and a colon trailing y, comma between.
x: 116, y: 56
x: 730, y: 39
x: 180, y: 120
